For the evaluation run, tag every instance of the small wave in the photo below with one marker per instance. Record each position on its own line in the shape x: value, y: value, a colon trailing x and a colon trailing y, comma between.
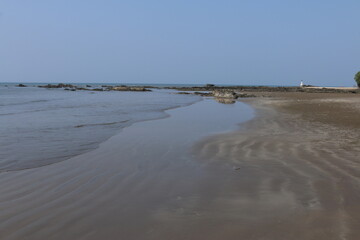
x: 29, y: 102
x: 15, y: 113
x: 52, y: 108
x: 99, y: 124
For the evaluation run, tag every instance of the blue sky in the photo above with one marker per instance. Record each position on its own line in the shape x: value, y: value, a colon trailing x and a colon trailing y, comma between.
x: 277, y: 42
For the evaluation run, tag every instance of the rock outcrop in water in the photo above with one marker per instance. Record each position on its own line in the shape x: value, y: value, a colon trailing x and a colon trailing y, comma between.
x: 224, y: 94
x: 70, y: 87
x: 60, y: 85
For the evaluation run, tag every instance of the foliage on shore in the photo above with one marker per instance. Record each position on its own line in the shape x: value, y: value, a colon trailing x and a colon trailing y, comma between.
x: 357, y: 78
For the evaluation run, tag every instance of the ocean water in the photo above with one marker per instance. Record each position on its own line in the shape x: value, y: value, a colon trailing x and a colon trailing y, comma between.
x: 44, y: 126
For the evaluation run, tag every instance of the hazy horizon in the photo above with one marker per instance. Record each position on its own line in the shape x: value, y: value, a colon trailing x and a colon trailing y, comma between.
x: 180, y: 42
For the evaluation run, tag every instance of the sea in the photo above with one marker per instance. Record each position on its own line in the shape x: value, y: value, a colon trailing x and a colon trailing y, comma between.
x: 40, y: 126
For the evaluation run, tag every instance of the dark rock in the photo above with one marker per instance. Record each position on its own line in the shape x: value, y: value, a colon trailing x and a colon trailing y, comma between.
x: 81, y: 88
x: 21, y: 85
x: 244, y: 95
x: 60, y: 85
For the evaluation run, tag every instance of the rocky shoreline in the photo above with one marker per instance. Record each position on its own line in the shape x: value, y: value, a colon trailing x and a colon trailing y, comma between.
x: 232, y: 93
x: 265, y: 89
x: 71, y: 87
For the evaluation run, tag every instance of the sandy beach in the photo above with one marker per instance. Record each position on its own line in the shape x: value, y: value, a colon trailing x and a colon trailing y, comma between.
x: 302, y: 155
x: 291, y: 172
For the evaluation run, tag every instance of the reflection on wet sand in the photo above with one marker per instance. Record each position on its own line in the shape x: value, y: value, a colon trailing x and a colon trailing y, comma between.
x: 225, y: 100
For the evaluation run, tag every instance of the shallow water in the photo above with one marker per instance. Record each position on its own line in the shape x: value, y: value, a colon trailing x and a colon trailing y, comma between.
x: 43, y: 126
x: 143, y: 183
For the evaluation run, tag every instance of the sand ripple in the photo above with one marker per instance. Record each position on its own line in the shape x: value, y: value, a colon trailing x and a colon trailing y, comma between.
x: 315, y: 165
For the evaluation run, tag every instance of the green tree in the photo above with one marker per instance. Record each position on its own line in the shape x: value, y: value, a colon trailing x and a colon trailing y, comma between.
x: 357, y: 78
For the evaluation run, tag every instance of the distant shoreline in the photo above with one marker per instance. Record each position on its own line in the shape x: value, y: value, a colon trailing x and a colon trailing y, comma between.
x: 155, y: 85
x: 187, y: 87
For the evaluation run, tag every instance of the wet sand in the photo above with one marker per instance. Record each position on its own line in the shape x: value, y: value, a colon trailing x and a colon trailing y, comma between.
x: 292, y: 172
x: 298, y: 168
